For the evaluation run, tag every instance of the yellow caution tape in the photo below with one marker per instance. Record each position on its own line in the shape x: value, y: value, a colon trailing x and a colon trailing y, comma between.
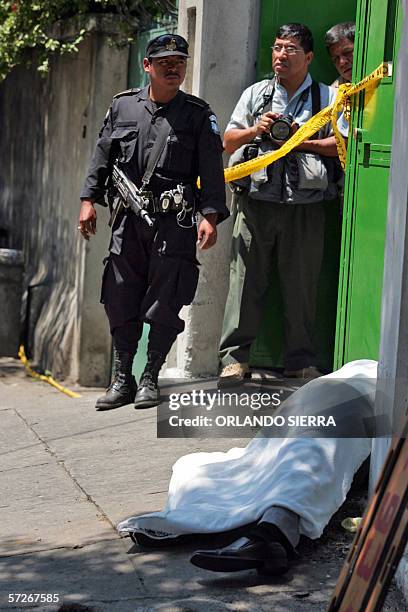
x: 311, y: 127
x: 43, y: 377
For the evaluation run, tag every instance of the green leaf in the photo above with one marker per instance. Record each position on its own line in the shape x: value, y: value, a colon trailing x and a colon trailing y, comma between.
x: 24, y: 25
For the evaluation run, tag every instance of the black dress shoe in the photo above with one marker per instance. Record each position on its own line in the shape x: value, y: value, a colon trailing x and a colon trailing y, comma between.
x: 243, y: 554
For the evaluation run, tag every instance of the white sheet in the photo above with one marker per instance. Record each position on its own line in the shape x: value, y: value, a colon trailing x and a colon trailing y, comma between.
x: 214, y: 492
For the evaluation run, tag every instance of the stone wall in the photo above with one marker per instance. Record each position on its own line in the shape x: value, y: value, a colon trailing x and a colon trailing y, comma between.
x: 223, y: 39
x: 49, y: 126
x: 393, y: 362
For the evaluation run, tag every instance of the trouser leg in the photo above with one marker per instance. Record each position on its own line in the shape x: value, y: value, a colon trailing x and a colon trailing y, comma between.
x: 123, y: 288
x: 251, y: 252
x: 161, y: 338
x: 300, y: 252
x: 172, y: 282
x: 172, y: 276
x: 126, y: 337
x: 125, y: 281
x: 286, y: 521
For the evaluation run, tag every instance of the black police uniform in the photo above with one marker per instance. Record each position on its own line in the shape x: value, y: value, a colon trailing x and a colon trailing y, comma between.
x: 151, y: 272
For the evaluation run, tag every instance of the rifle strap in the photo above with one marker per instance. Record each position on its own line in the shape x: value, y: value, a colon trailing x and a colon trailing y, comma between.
x: 161, y: 140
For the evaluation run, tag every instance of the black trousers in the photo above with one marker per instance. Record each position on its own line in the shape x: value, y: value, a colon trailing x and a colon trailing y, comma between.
x: 150, y: 274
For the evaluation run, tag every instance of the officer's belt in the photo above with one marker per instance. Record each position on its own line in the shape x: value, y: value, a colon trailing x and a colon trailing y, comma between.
x: 155, y: 205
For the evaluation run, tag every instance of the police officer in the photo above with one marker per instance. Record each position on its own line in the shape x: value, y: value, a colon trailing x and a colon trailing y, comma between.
x: 151, y: 272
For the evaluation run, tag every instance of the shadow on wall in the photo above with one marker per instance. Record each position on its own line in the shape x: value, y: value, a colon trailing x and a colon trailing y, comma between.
x: 44, y: 150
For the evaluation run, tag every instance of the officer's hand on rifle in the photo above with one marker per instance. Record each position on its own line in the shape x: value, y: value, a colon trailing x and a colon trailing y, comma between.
x: 207, y: 232
x: 87, y: 219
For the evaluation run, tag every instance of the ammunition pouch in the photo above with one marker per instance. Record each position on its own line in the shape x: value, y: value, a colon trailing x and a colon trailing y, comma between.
x: 176, y: 200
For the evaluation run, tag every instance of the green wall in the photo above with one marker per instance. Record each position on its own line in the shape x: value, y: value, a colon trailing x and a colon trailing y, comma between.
x: 137, y: 76
x: 318, y: 15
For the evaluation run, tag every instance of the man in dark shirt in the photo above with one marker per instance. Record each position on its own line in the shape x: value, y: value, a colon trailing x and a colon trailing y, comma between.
x: 151, y: 272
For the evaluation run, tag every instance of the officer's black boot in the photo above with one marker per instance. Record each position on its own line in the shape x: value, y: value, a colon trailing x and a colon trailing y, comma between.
x: 148, y: 393
x: 123, y: 387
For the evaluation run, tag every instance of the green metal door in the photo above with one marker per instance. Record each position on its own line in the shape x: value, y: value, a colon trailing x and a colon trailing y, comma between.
x: 364, y: 227
x: 267, y: 349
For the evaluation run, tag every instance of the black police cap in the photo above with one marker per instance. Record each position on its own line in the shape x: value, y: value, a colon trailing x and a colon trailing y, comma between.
x: 167, y: 44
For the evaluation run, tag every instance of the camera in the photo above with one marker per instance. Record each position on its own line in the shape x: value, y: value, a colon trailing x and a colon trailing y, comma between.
x: 281, y: 128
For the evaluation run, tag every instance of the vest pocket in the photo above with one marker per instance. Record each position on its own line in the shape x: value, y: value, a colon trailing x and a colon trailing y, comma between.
x: 312, y: 172
x: 127, y: 138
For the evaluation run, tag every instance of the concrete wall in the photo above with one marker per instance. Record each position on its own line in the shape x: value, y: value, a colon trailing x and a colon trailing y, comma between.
x: 223, y: 37
x: 47, y: 137
x: 392, y: 396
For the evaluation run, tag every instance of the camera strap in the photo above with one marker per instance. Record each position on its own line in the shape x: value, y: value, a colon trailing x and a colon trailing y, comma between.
x: 267, y: 98
x: 314, y: 89
x: 161, y: 140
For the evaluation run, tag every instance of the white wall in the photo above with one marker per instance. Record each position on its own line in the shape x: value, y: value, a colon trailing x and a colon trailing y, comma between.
x: 223, y: 37
x: 392, y: 398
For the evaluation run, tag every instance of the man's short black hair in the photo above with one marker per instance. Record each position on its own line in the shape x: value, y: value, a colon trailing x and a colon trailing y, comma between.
x: 299, y: 31
x: 339, y: 31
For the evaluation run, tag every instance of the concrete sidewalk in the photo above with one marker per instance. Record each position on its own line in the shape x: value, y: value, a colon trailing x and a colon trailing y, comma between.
x: 68, y: 474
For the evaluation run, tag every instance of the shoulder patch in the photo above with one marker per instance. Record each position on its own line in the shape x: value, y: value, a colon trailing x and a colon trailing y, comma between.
x: 127, y: 92
x: 197, y: 101
x: 214, y: 124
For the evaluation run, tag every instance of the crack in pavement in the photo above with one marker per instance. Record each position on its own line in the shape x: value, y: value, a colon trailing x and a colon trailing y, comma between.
x: 22, y: 467
x: 79, y: 433
x: 62, y: 547
x: 61, y: 462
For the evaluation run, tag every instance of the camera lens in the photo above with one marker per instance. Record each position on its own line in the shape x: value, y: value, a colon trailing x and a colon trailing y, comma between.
x: 281, y: 128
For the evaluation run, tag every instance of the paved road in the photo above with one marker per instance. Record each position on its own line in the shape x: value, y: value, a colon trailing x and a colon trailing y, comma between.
x: 69, y: 474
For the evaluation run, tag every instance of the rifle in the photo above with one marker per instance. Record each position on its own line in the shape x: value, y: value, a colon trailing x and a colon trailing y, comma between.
x: 131, y: 196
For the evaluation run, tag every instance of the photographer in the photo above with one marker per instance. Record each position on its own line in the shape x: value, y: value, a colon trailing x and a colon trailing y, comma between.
x: 279, y: 207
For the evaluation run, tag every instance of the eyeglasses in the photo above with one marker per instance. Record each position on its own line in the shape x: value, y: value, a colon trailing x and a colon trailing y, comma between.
x: 288, y: 49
